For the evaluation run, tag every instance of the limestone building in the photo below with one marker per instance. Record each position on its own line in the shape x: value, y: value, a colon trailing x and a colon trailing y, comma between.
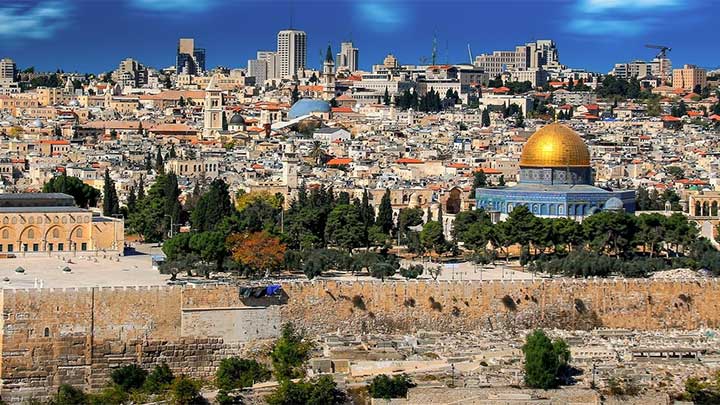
x: 42, y: 223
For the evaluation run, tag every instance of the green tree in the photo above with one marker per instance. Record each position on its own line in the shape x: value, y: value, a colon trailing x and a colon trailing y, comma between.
x: 386, y: 387
x: 131, y: 200
x: 544, y: 360
x: 210, y: 248
x: 322, y: 391
x: 85, y: 196
x: 345, y: 227
x: 155, y: 211
x: 386, y: 97
x: 159, y: 379
x: 479, y: 181
x: 213, y: 206
x: 385, y: 213
x: 185, y: 391
x: 610, y: 232
x: 235, y: 372
x: 409, y: 217
x: 68, y: 395
x: 295, y: 96
x: 129, y: 377
x: 159, y: 161
x: 485, y: 118
x: 432, y: 237
x: 289, y: 353
x: 111, y: 202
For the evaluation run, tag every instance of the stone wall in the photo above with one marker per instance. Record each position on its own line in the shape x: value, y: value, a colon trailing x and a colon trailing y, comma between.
x: 78, y: 336
x: 456, y: 306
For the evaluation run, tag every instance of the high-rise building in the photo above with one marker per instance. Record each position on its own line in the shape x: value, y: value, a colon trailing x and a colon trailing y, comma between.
x: 540, y: 54
x: 190, y: 60
x: 257, y: 68
x: 348, y: 57
x: 8, y: 70
x: 688, y: 77
x: 131, y: 73
x: 8, y: 74
x: 391, y: 62
x: 658, y: 67
x: 292, y: 52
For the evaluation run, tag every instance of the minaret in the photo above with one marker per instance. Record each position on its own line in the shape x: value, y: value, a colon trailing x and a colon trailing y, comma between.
x: 213, y: 110
x: 328, y: 75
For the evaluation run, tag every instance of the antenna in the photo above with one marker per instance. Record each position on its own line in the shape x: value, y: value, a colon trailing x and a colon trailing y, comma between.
x: 470, y: 54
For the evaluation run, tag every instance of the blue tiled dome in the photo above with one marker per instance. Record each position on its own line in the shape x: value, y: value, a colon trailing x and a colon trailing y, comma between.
x: 307, y: 106
x: 613, y: 204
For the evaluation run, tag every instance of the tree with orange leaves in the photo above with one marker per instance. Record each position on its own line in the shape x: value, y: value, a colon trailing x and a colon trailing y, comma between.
x: 259, y: 252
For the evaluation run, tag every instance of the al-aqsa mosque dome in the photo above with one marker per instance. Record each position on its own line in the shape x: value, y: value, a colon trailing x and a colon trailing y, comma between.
x: 555, y: 180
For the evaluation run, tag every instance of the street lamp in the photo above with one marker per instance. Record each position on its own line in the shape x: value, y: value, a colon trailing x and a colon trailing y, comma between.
x: 171, y: 224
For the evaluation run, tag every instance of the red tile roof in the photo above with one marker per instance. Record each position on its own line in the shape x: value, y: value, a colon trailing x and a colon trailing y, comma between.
x: 407, y: 161
x: 339, y: 161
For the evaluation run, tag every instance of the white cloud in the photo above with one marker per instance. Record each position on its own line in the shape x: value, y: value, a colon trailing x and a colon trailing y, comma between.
x: 174, y: 6
x: 620, y: 18
x: 37, y: 21
x: 382, y: 16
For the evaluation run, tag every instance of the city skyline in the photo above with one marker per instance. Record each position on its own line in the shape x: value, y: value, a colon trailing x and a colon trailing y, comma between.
x: 74, y: 36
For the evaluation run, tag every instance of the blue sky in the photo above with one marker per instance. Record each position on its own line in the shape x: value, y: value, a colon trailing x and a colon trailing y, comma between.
x: 94, y: 35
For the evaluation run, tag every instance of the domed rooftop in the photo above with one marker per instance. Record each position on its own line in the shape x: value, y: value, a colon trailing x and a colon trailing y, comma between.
x: 308, y: 106
x: 555, y: 145
x: 614, y: 204
x: 237, y: 119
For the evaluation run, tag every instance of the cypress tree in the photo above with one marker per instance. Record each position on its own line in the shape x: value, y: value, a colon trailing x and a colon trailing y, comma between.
x: 140, y: 189
x: 132, y: 200
x: 159, y: 164
x: 485, y: 118
x: 385, y: 214
x: 111, y: 204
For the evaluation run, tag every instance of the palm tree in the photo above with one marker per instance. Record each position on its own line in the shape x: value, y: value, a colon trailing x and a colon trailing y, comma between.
x: 317, y: 153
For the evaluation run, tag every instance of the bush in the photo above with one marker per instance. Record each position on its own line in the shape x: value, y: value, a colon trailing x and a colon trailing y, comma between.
x: 413, y: 271
x: 185, y: 391
x: 289, y: 353
x: 112, y: 395
x: 322, y: 391
x: 129, y: 377
x: 68, y: 395
x: 236, y: 373
x: 544, y: 360
x: 159, y: 379
x: 224, y: 398
x: 386, y: 387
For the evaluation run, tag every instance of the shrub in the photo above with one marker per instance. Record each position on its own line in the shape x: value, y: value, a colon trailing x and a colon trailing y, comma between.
x: 358, y: 302
x: 159, y: 379
x: 509, y: 303
x: 129, y: 377
x: 386, y: 387
x: 185, y: 391
x: 322, y: 391
x: 69, y: 395
x: 289, y: 353
x: 235, y: 373
x: 413, y: 271
x: 112, y: 395
x: 544, y: 360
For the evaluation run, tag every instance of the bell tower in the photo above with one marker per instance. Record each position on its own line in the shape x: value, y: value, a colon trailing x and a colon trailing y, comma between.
x: 213, y: 111
x: 328, y: 75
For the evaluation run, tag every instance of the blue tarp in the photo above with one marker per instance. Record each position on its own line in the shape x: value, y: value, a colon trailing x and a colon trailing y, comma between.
x: 272, y: 289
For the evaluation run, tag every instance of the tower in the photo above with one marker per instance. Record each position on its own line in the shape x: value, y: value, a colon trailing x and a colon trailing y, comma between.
x: 292, y: 52
x: 213, y: 112
x: 328, y: 75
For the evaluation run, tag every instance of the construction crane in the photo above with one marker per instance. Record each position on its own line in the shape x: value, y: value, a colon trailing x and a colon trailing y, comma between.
x: 663, y: 50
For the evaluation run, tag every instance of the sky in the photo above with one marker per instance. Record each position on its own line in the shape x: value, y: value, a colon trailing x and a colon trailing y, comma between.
x: 95, y: 35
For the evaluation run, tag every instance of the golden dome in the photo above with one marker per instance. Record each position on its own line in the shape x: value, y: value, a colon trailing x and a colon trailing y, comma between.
x: 555, y: 145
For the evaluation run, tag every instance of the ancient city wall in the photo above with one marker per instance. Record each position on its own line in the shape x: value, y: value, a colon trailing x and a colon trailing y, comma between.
x: 78, y: 336
x: 458, y: 306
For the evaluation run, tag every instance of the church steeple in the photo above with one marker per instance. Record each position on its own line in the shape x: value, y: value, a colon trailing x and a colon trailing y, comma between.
x: 329, y: 56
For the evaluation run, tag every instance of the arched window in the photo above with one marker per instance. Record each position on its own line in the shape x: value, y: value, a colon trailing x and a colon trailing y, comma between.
x: 56, y: 233
x: 5, y: 234
x: 31, y: 234
x: 47, y: 332
x: 79, y: 233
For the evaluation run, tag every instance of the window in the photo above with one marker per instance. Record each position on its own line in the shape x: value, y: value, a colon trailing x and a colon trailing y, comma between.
x: 79, y: 233
x: 61, y: 246
x: 5, y: 234
x: 24, y: 247
x: 36, y: 247
x: 1, y: 247
x: 83, y: 246
x: 50, y: 247
x: 56, y: 233
x: 31, y: 233
x: 46, y: 333
x: 11, y: 247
